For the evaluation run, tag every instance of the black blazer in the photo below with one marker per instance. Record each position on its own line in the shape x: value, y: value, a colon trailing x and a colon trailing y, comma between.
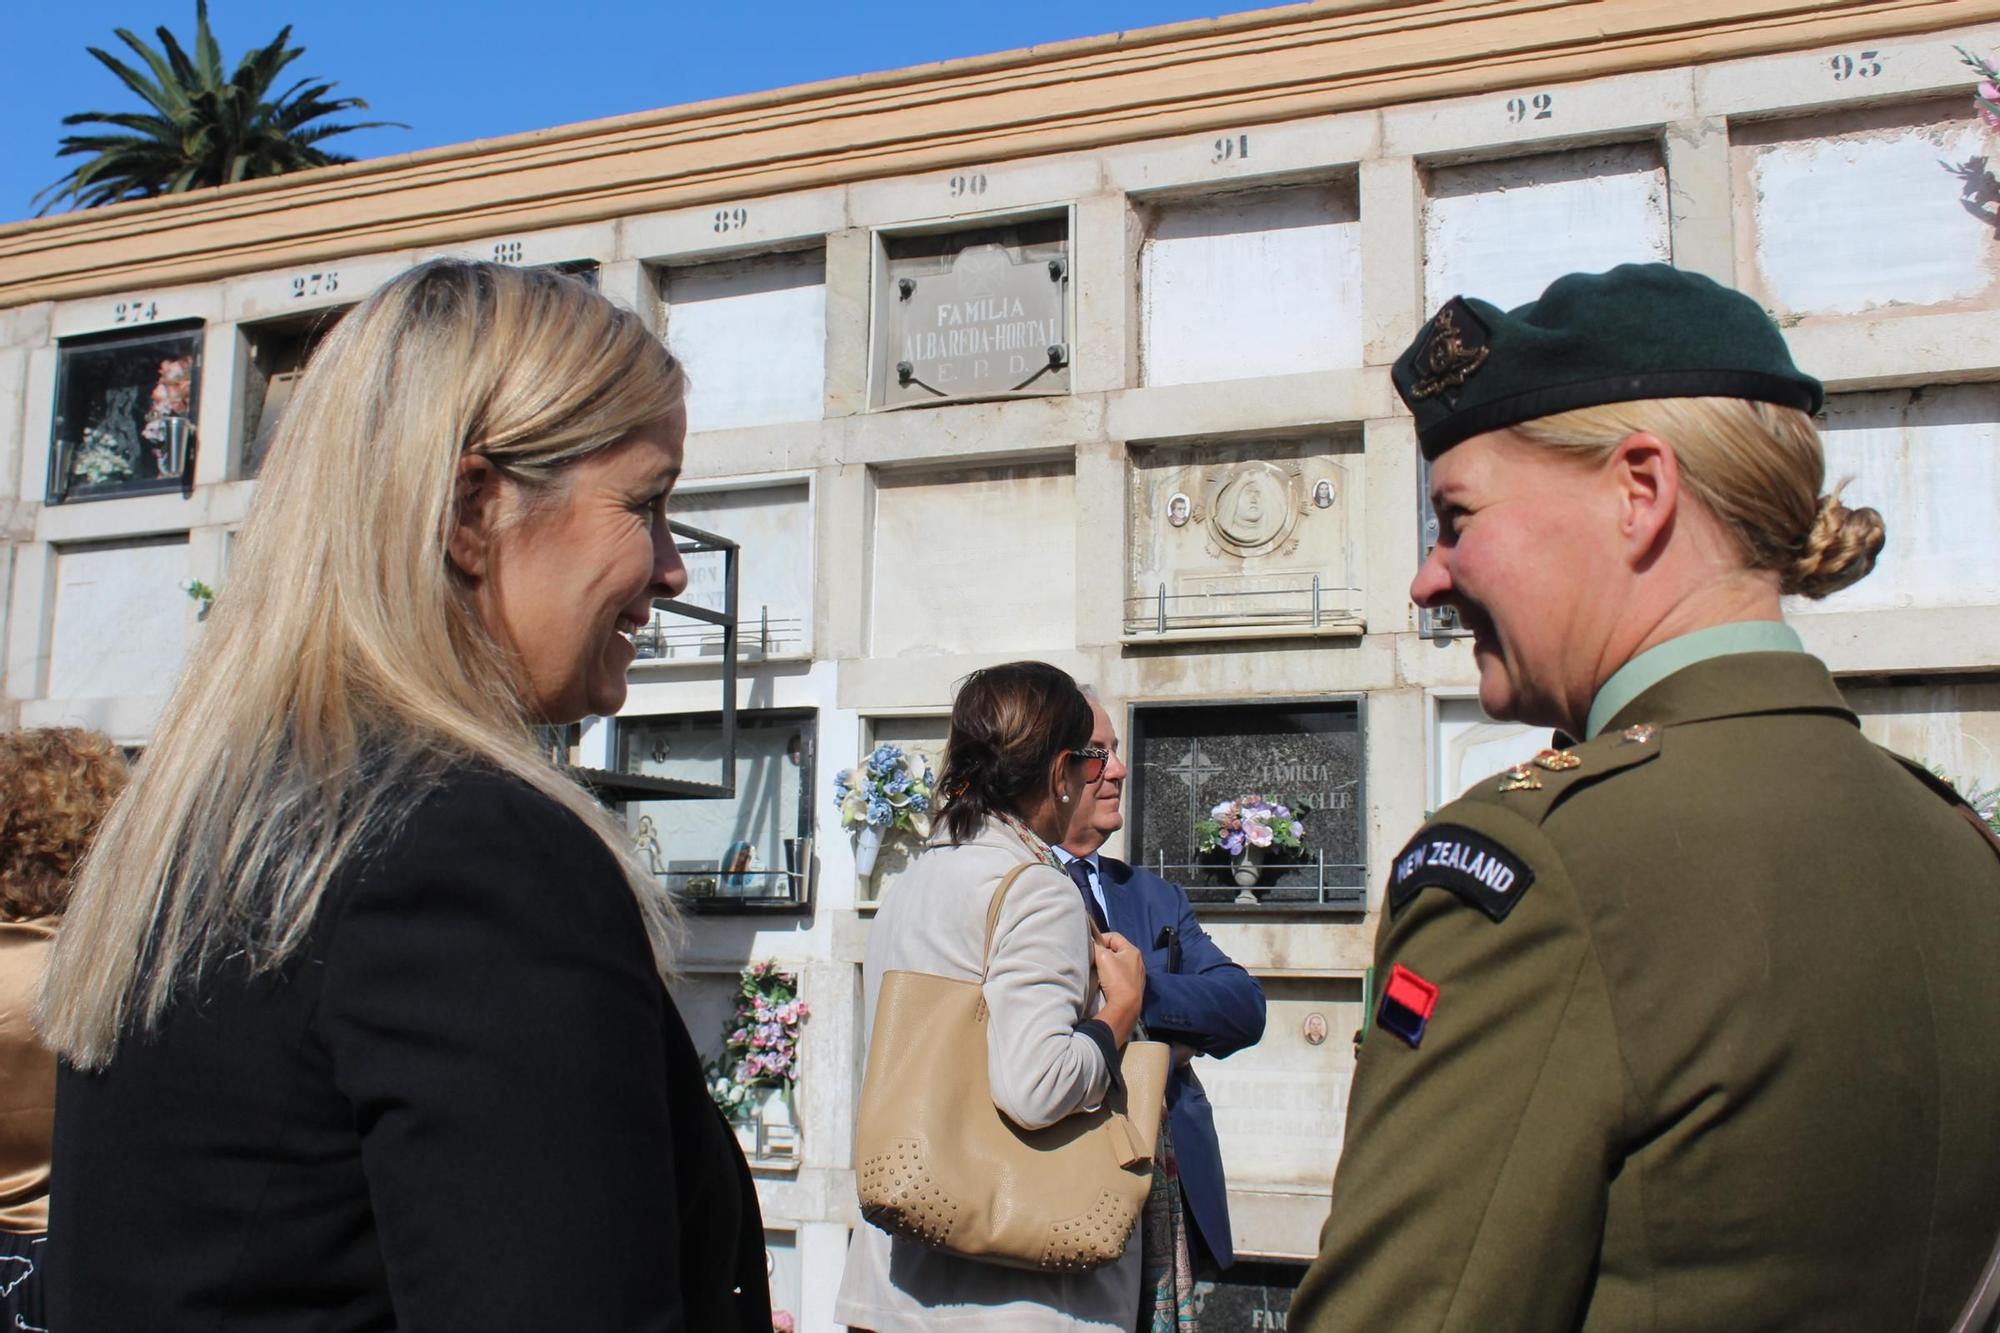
x: 466, y: 1103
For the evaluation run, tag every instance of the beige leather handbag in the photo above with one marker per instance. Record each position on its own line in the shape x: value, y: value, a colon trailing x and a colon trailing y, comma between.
x: 937, y: 1162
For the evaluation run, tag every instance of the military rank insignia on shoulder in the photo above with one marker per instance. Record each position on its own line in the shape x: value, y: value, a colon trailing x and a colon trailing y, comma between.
x: 1469, y: 864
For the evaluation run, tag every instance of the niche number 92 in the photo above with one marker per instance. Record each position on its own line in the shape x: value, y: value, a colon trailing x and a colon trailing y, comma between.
x: 1542, y: 106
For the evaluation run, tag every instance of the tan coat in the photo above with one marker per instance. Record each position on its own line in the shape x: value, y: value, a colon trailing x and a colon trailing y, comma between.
x: 1041, y: 1069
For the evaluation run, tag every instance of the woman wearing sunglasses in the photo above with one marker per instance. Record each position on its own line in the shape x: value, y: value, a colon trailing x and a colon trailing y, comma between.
x: 1016, y: 763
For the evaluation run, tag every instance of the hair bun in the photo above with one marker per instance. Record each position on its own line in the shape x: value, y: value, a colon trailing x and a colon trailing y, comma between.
x: 1838, y: 551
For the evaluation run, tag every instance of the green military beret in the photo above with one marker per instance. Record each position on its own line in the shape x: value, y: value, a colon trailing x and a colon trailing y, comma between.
x: 1639, y: 331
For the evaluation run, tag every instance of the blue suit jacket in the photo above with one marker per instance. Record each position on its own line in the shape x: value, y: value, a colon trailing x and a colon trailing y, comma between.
x: 1195, y: 996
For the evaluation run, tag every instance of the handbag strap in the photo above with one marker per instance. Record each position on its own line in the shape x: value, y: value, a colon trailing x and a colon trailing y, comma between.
x: 993, y: 921
x: 993, y: 915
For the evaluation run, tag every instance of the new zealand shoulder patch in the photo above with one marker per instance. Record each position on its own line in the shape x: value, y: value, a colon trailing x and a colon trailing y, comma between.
x: 1471, y: 865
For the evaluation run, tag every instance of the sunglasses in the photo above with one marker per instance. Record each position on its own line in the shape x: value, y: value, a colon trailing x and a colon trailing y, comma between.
x: 1094, y: 758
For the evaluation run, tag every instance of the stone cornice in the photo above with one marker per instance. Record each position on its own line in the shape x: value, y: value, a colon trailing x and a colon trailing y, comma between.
x: 1247, y: 69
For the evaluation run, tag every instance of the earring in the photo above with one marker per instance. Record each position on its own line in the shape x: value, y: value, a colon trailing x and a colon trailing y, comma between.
x: 1065, y: 798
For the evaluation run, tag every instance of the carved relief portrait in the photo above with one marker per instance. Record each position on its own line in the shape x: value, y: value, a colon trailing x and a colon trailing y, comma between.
x: 1255, y: 505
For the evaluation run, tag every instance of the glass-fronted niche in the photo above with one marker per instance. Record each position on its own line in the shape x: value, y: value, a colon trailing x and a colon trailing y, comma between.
x: 1204, y: 774
x: 275, y: 358
x: 125, y: 414
x: 972, y: 313
x: 752, y: 853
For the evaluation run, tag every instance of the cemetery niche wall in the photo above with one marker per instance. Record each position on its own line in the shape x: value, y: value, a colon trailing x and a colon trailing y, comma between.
x: 1187, y: 760
x: 1237, y: 540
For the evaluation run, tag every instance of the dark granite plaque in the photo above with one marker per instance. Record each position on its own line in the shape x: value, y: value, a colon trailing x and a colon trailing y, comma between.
x: 977, y: 314
x: 1187, y: 759
x: 1251, y: 1297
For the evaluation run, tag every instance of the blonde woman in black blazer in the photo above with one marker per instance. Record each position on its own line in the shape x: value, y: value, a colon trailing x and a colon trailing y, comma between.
x: 360, y: 1001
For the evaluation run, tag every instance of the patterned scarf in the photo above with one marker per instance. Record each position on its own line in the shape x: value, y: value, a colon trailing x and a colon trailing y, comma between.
x: 1166, y: 1273
x: 1036, y: 847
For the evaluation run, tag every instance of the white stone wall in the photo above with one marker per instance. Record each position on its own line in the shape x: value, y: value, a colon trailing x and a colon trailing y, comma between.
x: 1218, y: 301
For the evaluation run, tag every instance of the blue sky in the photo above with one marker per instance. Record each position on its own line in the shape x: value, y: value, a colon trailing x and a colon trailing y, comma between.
x: 457, y: 71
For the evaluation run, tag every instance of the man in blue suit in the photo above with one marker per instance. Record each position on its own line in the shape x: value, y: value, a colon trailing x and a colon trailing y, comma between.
x: 1195, y: 997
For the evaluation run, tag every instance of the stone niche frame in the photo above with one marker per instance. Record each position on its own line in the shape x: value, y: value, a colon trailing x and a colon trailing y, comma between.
x: 1244, y: 538
x: 1312, y: 886
x: 1000, y: 346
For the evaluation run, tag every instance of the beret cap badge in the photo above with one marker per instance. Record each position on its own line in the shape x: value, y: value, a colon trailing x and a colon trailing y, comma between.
x: 1453, y: 347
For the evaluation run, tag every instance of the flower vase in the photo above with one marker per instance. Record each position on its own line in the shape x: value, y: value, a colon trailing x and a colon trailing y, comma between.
x: 866, y: 848
x: 777, y: 1131
x: 744, y: 1122
x: 1246, y: 868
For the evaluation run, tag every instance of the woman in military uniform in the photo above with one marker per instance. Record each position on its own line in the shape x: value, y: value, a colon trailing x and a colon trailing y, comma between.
x: 1689, y: 1023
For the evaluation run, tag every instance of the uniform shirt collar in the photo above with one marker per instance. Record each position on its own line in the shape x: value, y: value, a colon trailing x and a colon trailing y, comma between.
x: 1664, y: 659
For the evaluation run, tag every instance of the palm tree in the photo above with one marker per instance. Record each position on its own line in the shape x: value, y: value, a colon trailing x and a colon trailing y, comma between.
x: 201, y: 129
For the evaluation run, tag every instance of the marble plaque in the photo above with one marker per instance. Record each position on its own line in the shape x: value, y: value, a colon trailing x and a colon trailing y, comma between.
x: 1918, y: 231
x: 1503, y: 231
x: 1928, y: 460
x: 1250, y: 1298
x: 1185, y: 760
x: 122, y: 620
x: 1281, y: 1105
x: 1946, y: 722
x: 1467, y: 745
x: 974, y: 560
x: 1223, y: 538
x: 752, y: 333
x: 1248, y: 284
x: 979, y: 314
x: 773, y: 529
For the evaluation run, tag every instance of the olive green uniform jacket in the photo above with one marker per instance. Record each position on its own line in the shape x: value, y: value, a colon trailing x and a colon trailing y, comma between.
x: 1728, y: 1058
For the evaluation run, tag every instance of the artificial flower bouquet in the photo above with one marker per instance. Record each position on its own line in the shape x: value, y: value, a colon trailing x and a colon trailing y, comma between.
x: 1251, y: 820
x: 889, y: 790
x: 761, y: 1048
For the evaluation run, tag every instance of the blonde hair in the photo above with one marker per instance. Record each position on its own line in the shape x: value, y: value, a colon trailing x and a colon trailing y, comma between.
x: 55, y: 785
x: 343, y: 663
x: 1756, y: 467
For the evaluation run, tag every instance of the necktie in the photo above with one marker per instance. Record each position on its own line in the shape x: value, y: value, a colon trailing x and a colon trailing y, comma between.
x: 1079, y: 870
